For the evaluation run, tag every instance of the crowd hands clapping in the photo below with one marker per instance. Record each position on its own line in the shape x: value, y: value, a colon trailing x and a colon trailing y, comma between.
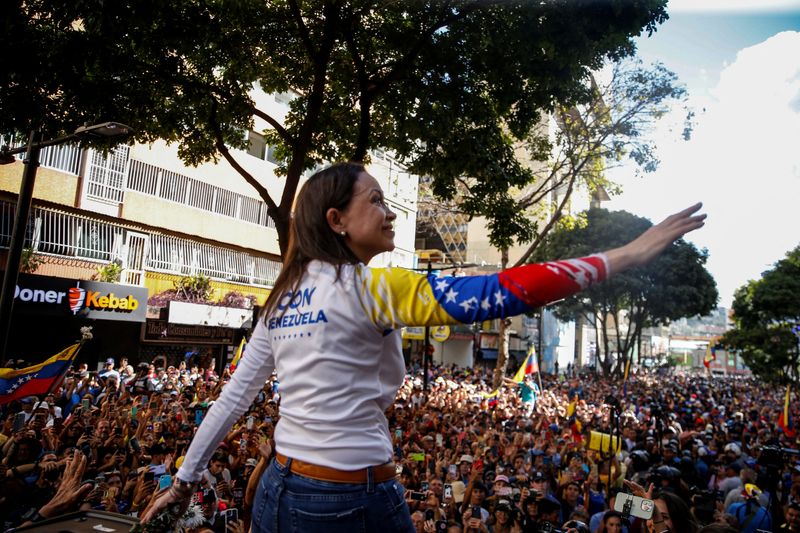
x: 469, y: 463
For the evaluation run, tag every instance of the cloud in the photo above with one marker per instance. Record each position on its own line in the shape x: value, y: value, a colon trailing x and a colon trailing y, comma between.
x: 693, y: 6
x: 743, y: 162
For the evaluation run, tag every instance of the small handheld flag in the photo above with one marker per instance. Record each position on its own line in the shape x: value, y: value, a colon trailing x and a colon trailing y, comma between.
x: 785, y: 421
x: 529, y: 366
x: 238, y: 356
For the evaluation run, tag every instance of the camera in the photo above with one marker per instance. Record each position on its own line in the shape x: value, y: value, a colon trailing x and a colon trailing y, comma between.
x: 547, y: 527
x: 774, y: 457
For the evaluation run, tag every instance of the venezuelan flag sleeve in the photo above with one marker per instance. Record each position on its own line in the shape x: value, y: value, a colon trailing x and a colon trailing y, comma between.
x: 394, y: 297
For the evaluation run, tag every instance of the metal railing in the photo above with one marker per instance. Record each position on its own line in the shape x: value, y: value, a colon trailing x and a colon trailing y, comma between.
x: 53, y: 232
x: 167, y: 185
x: 65, y: 157
x: 105, y: 175
x: 181, y: 256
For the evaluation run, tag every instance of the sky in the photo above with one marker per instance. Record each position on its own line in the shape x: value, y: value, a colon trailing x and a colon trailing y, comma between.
x: 740, y: 62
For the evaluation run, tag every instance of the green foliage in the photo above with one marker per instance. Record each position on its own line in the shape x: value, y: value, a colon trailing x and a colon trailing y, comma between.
x: 109, y: 273
x: 192, y: 289
x: 449, y: 86
x: 765, y: 311
x: 195, y: 288
x: 674, y: 285
x: 29, y: 261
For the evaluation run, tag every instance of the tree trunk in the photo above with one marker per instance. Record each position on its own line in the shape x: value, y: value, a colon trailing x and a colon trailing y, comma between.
x: 502, y: 333
x: 606, y: 360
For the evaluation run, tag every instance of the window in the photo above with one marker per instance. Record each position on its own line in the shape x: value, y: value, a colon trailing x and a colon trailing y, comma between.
x: 105, y: 176
x: 256, y: 145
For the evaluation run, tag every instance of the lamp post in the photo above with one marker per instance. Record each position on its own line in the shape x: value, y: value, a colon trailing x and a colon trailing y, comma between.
x: 31, y: 162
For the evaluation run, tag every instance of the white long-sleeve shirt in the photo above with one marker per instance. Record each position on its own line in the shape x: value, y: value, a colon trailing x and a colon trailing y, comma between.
x: 336, y: 346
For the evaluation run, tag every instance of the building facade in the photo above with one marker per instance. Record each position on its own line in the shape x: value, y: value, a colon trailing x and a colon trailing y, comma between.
x: 140, y: 212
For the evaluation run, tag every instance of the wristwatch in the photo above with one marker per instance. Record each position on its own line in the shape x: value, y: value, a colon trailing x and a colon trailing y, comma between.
x: 184, y: 487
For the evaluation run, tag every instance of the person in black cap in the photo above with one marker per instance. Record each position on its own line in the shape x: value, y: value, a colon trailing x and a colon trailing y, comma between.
x: 540, y: 485
x: 529, y: 519
x: 549, y: 511
x: 209, y: 502
x: 505, y: 517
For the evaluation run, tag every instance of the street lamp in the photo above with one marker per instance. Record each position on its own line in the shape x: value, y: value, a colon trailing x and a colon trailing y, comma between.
x: 31, y: 162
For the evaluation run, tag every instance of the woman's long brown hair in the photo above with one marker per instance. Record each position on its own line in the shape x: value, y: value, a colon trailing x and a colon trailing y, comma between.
x: 310, y: 236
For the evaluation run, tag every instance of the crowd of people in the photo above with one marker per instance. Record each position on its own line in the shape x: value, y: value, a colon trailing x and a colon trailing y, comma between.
x: 708, y: 451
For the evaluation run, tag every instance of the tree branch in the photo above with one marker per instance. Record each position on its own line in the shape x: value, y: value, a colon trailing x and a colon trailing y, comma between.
x: 555, y: 218
x: 305, y: 36
x: 277, y: 126
x: 219, y: 142
x: 364, y: 95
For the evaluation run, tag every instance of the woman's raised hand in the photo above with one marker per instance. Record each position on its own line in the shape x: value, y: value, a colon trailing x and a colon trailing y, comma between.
x: 655, y: 240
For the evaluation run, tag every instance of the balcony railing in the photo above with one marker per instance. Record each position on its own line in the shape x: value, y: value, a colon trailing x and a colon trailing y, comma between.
x: 65, y: 157
x: 56, y: 233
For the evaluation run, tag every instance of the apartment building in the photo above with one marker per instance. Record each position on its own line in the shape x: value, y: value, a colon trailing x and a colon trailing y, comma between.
x: 142, y: 209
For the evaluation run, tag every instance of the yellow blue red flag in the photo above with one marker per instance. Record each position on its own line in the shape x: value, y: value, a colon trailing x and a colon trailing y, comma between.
x: 785, y: 421
x: 529, y: 366
x: 36, y: 379
x: 238, y: 356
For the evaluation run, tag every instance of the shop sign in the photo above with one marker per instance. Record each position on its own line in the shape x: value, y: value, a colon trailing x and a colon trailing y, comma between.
x: 440, y: 333
x: 167, y: 333
x: 209, y: 315
x: 414, y: 333
x: 44, y: 295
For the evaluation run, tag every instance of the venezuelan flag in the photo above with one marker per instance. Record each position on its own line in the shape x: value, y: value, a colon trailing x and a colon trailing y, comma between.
x: 529, y: 366
x: 36, y: 379
x: 398, y: 297
x: 572, y: 418
x: 785, y: 421
x: 238, y: 356
x: 711, y: 354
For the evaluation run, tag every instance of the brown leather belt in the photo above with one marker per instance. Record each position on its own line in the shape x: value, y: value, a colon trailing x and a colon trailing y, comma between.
x: 380, y: 473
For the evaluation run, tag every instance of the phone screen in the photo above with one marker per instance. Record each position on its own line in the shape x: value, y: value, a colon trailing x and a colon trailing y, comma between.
x: 631, y: 505
x: 164, y: 481
x: 198, y: 416
x: 19, y: 422
x: 86, y: 405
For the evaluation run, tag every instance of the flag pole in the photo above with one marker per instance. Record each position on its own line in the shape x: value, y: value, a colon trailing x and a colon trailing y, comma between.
x: 539, y: 368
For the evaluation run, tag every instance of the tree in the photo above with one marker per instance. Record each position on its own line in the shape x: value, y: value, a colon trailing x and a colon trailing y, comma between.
x: 448, y: 85
x: 589, y: 139
x: 675, y: 285
x: 766, y: 314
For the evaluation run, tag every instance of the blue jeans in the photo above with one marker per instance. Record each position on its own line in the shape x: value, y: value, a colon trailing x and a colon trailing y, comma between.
x: 286, y: 502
